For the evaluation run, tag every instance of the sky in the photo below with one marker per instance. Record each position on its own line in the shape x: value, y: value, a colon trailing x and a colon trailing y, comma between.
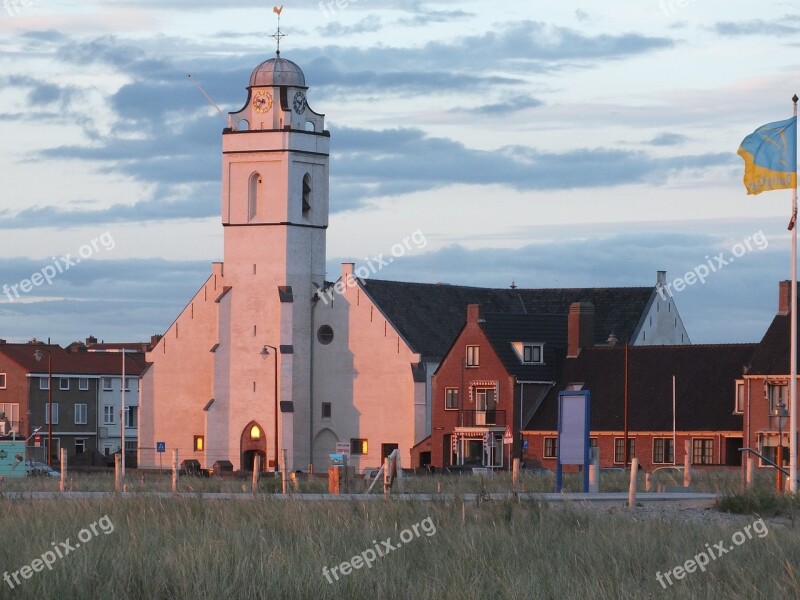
x: 544, y: 144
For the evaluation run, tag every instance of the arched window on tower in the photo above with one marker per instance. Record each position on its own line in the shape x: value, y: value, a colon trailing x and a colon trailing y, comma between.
x: 306, y: 195
x: 244, y: 125
x: 310, y: 126
x: 252, y: 196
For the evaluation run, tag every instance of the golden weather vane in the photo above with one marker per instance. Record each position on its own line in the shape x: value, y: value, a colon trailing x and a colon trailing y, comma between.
x: 278, y: 34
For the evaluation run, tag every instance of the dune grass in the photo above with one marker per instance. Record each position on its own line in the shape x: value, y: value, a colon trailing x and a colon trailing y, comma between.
x: 265, y: 548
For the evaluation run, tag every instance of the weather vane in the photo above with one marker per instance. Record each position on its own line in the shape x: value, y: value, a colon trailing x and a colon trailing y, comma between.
x: 278, y: 35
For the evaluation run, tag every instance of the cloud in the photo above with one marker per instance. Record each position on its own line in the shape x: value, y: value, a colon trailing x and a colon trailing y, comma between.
x: 369, y: 24
x: 668, y: 139
x: 754, y: 27
x: 511, y: 105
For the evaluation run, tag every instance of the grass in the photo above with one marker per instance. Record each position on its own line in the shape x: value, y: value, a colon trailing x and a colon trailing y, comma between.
x: 266, y: 548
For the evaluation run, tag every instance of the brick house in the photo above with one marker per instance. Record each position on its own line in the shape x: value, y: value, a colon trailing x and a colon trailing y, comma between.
x: 704, y: 409
x: 765, y: 384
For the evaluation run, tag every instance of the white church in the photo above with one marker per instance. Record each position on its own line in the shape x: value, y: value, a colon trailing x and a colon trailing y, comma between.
x: 268, y: 355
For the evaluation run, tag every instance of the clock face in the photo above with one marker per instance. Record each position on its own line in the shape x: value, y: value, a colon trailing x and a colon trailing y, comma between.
x: 262, y: 101
x: 299, y: 103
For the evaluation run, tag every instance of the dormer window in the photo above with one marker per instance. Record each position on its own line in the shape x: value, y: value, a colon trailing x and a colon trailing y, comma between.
x: 529, y: 353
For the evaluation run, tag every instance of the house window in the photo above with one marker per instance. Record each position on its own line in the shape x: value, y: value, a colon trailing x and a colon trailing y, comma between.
x: 108, y: 414
x: 131, y: 416
x: 325, y: 335
x: 532, y: 354
x: 107, y: 384
x: 703, y: 451
x: 326, y: 410
x: 592, y: 442
x: 83, y: 384
x: 199, y: 443
x: 127, y: 384
x: 739, y: 402
x: 130, y: 446
x: 358, y: 447
x: 777, y: 393
x: 63, y: 383
x: 663, y: 451
x: 9, y: 418
x: 2, y: 381
x: 47, y: 413
x: 44, y: 383
x: 473, y: 356
x: 619, y: 449
x: 550, y: 447
x: 80, y: 446
x: 252, y: 196
x: 451, y: 399
x: 80, y: 414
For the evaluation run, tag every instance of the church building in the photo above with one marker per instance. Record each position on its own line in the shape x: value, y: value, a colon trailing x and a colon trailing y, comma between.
x: 268, y: 355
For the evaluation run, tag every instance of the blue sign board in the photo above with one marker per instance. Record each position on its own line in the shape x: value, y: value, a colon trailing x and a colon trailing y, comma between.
x: 161, y: 446
x: 524, y: 445
x: 573, y: 433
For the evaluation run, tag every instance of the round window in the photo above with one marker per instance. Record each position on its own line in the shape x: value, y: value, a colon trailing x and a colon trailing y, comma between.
x: 325, y: 334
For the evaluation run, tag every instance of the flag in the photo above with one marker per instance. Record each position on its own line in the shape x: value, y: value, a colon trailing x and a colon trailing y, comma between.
x: 770, y: 157
x: 277, y: 10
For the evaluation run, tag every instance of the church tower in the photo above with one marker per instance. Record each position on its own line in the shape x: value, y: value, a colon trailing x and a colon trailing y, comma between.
x: 275, y: 216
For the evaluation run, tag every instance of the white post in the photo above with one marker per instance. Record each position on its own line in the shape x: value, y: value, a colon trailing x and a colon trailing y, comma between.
x: 63, y: 469
x: 175, y: 471
x: 117, y: 480
x: 256, y: 472
x: 632, y: 488
x: 387, y: 476
x: 793, y: 353
x: 515, y: 475
x: 750, y: 465
x: 285, y: 473
x: 647, y: 482
x: 594, y: 470
x: 122, y: 420
x: 687, y: 463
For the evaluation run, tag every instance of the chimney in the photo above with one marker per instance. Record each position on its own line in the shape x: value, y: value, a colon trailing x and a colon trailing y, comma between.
x: 784, y: 297
x: 580, y: 328
x: 154, y: 339
x: 612, y: 340
x: 474, y: 313
x: 91, y: 340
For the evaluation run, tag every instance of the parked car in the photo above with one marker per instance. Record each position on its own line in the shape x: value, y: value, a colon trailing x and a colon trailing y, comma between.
x: 37, y: 469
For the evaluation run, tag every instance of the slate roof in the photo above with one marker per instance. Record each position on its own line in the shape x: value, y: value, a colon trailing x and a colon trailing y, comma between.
x: 772, y: 356
x: 429, y: 316
x: 73, y: 363
x: 705, y: 379
x: 551, y: 330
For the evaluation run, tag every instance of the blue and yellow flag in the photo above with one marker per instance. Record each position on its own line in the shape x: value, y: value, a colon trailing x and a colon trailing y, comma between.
x: 770, y: 157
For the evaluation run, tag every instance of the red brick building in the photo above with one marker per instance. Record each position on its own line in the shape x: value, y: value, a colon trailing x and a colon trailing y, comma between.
x: 704, y: 408
x: 765, y: 385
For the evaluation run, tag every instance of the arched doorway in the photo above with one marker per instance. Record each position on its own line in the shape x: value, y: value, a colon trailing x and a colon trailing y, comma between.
x: 324, y: 444
x: 254, y: 443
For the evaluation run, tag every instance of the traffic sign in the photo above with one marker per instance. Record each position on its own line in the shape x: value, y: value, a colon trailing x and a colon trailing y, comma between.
x: 161, y: 446
x: 524, y: 445
x: 508, y: 437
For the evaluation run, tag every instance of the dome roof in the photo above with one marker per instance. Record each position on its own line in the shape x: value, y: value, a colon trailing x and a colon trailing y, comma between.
x: 278, y: 71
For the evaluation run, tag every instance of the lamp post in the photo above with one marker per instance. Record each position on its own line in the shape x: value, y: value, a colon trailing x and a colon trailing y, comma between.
x: 38, y: 355
x: 780, y: 413
x: 264, y: 352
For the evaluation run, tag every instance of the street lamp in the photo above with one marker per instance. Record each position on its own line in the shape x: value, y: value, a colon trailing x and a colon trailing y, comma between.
x: 265, y: 352
x: 780, y: 413
x: 38, y: 355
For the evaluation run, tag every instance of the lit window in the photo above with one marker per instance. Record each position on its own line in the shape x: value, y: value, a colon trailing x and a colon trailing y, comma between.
x: 358, y: 446
x: 199, y: 443
x: 473, y: 356
x: 255, y: 432
x: 550, y: 447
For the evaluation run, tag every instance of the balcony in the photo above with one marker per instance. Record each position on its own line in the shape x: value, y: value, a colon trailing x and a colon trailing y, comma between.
x: 481, y: 418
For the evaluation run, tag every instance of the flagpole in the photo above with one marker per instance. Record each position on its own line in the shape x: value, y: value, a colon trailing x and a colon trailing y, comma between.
x: 793, y: 337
